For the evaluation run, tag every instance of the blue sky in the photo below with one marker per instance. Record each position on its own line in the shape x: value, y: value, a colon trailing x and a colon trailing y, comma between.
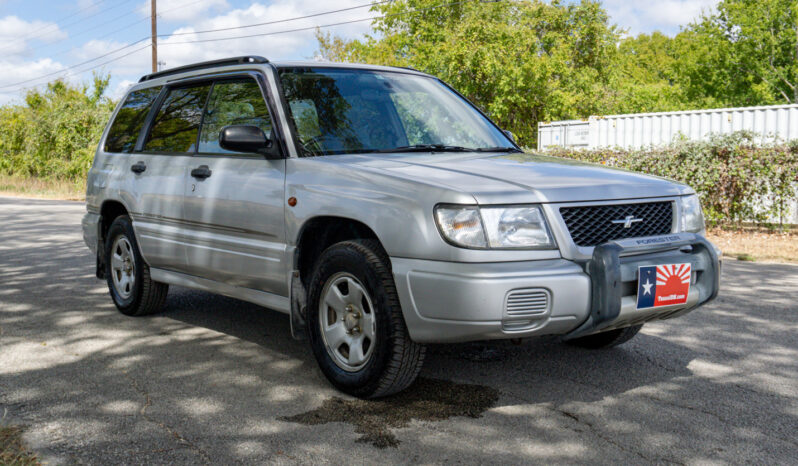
x: 45, y: 38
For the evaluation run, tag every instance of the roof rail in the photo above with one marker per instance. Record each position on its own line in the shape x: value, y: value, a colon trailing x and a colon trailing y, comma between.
x: 206, y: 64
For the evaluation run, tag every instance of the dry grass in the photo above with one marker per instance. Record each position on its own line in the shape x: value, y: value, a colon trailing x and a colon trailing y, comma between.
x: 757, y: 245
x: 41, y: 189
x: 12, y: 450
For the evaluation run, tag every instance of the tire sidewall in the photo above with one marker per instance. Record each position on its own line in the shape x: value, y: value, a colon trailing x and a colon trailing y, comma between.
x: 122, y: 226
x: 344, y: 258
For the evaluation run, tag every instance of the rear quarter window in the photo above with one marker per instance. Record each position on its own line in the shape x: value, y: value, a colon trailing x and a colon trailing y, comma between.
x: 129, y: 120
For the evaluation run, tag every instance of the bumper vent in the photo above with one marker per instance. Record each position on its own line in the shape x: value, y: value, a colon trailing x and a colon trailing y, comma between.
x: 530, y: 302
x: 593, y: 225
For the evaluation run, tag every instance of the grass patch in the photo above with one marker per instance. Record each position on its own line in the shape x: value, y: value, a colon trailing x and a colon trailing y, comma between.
x: 18, y: 186
x: 12, y: 449
x: 757, y: 244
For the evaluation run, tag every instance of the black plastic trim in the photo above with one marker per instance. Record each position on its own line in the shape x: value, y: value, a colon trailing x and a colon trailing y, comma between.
x: 606, y: 283
x: 243, y: 60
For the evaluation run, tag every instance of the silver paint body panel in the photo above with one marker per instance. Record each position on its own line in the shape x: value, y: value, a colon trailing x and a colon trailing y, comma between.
x: 234, y: 234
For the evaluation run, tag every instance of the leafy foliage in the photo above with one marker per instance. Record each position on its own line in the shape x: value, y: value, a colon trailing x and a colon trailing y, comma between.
x: 55, y: 133
x: 737, y: 179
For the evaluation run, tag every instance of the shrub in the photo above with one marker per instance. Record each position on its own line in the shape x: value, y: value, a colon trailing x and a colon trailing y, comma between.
x: 55, y: 132
x: 737, y: 179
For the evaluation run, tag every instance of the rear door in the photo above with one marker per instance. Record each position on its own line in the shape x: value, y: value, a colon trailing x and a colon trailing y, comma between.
x: 162, y: 166
x: 234, y: 204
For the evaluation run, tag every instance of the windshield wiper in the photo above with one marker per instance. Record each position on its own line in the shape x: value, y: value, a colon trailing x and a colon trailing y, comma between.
x: 497, y: 149
x: 426, y: 148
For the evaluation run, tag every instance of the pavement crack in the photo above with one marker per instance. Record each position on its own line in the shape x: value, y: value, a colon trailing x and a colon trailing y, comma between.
x: 206, y: 459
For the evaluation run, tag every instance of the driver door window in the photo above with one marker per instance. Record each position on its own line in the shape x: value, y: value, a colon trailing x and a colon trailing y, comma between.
x: 233, y: 103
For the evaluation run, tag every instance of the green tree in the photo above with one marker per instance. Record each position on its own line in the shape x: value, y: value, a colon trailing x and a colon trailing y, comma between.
x: 745, y: 53
x: 645, y: 78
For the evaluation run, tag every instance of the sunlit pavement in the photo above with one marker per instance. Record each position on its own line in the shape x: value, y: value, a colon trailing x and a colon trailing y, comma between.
x: 215, y: 380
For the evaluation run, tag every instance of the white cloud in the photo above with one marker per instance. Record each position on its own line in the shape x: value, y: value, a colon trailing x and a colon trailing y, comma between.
x: 665, y: 15
x: 16, y: 35
x: 120, y: 89
x: 14, y: 72
x: 182, y: 10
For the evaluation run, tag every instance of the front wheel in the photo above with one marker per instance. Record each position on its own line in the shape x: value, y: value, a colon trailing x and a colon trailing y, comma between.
x: 356, y: 328
x: 606, y: 339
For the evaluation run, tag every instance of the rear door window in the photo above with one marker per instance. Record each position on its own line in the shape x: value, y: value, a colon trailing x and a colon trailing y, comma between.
x: 233, y: 103
x: 129, y: 120
x: 177, y: 123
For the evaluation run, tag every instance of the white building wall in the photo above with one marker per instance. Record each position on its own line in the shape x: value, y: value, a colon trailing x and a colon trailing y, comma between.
x: 638, y: 130
x: 646, y: 129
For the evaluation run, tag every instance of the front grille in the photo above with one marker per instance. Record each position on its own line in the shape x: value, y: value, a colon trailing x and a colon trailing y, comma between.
x: 528, y: 302
x: 592, y: 225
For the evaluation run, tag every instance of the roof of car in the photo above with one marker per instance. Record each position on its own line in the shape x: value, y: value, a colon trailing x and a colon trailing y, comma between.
x: 198, y: 69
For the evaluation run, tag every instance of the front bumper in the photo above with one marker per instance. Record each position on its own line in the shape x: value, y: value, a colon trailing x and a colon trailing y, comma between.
x: 454, y: 302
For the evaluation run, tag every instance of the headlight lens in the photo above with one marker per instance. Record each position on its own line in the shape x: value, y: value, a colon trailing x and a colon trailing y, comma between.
x: 503, y: 228
x: 461, y: 226
x: 516, y: 227
x: 692, y: 217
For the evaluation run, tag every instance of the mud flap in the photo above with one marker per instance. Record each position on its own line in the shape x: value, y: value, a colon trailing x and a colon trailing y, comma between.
x: 99, y: 270
x: 299, y: 301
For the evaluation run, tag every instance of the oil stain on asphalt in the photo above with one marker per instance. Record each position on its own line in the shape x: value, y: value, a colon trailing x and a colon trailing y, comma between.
x: 425, y: 400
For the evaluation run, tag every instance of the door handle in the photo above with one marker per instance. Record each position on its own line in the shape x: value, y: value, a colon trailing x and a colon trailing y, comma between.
x: 138, y: 167
x: 201, y: 172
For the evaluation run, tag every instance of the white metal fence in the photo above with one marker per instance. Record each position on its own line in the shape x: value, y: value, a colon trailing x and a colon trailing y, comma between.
x: 638, y: 130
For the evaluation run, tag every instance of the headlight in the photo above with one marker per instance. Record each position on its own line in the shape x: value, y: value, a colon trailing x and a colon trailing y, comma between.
x: 519, y: 227
x: 461, y: 226
x: 692, y: 217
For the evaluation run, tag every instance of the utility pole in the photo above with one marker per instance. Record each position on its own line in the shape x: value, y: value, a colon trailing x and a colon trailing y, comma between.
x: 154, y: 23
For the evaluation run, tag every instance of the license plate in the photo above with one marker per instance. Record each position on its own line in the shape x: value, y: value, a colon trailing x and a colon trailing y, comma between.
x: 663, y: 285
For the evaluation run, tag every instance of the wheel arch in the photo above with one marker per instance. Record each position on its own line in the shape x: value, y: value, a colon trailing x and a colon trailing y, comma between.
x: 314, y: 236
x: 318, y: 233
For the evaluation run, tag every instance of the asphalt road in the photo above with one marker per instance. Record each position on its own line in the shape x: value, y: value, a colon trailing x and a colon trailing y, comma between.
x: 215, y: 380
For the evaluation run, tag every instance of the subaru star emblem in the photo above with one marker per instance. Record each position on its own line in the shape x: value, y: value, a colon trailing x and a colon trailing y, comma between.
x: 628, y: 221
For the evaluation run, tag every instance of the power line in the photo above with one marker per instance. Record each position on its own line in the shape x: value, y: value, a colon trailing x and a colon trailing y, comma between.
x: 278, y: 21
x: 182, y: 5
x: 414, y: 11
x: 33, y: 33
x: 76, y: 65
x: 117, y: 30
x: 65, y: 26
x: 75, y: 73
x: 389, y: 15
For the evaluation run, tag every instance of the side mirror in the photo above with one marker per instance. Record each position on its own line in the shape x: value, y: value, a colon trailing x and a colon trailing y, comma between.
x: 247, y: 138
x: 509, y: 135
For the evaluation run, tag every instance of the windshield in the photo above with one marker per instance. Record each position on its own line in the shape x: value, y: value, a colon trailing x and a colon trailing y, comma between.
x: 339, y: 111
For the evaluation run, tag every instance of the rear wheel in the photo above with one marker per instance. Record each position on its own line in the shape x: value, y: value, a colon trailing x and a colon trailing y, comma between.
x: 356, y: 328
x: 128, y: 276
x: 606, y: 339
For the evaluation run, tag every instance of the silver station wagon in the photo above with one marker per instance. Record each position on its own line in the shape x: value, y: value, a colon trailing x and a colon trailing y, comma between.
x: 382, y: 211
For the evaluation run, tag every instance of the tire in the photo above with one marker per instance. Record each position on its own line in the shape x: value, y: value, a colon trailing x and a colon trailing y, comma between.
x: 606, y: 339
x: 132, y: 289
x: 387, y: 360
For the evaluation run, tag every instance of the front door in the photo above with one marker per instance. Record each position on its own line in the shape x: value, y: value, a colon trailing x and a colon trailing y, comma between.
x: 160, y: 179
x: 234, y: 201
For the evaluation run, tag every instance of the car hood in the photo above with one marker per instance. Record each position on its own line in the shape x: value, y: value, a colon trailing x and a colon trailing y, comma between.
x: 520, y: 177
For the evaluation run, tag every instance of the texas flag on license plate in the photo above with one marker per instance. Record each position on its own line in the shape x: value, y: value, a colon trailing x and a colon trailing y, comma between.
x: 663, y: 285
